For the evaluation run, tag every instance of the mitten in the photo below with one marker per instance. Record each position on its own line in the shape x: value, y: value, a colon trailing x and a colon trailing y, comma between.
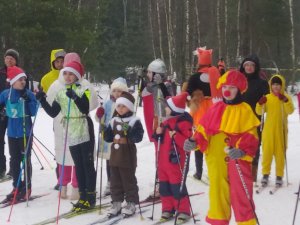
x: 235, y: 153
x: 100, y: 112
x: 40, y: 96
x: 157, y: 78
x: 189, y: 145
x: 262, y: 100
x: 71, y: 94
x: 282, y: 97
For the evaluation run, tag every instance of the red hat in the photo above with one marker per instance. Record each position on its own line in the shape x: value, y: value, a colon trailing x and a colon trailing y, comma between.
x: 204, y: 56
x: 177, y: 103
x: 234, y: 78
x: 76, y: 68
x: 14, y: 73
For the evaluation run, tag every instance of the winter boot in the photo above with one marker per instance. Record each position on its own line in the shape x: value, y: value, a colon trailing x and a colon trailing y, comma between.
x: 74, y: 194
x: 129, y: 209
x: 166, y: 215
x: 2, y: 174
x: 63, y: 193
x: 77, y: 205
x: 10, y: 196
x: 279, y: 181
x: 107, y: 189
x: 56, y: 187
x: 197, y: 176
x: 115, y: 209
x: 22, y: 195
x: 254, y: 173
x: 91, y: 198
x: 183, y: 217
x: 9, y: 173
x: 265, y: 180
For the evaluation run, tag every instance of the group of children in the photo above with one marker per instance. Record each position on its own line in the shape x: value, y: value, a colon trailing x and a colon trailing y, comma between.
x: 227, y: 134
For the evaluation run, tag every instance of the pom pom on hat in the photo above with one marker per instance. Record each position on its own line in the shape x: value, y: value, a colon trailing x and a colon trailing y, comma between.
x: 234, y: 78
x: 14, y: 73
x: 178, y: 102
x: 126, y: 99
x: 74, y: 67
x: 120, y: 84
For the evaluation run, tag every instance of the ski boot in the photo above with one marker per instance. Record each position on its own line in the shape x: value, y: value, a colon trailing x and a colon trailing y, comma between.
x: 115, y: 209
x: 129, y: 209
x: 279, y: 181
x: 265, y: 180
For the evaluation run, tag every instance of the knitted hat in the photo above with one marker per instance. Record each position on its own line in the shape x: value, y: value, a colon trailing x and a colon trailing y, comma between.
x: 120, y: 84
x: 177, y: 103
x: 234, y: 78
x: 276, y: 80
x: 157, y: 66
x: 60, y: 54
x: 13, y: 53
x: 74, y: 67
x: 72, y: 56
x: 126, y: 99
x: 248, y: 62
x: 14, y: 73
x: 204, y: 56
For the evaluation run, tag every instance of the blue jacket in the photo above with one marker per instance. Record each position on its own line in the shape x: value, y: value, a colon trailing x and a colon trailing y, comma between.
x: 11, y: 99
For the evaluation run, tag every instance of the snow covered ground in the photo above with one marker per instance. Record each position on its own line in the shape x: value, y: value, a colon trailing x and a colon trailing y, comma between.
x: 275, y: 209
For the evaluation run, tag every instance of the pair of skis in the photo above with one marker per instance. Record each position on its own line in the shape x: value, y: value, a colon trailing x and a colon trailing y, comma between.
x: 264, y: 187
x: 5, y: 203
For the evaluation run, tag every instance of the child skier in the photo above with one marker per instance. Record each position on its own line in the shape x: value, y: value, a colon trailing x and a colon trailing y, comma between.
x: 176, y: 127
x: 117, y: 87
x: 277, y: 105
x: 73, y: 103
x: 229, y: 126
x: 124, y: 130
x: 20, y: 105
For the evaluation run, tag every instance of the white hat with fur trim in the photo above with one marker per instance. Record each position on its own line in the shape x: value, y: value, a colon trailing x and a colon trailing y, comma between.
x: 14, y: 73
x: 120, y: 84
x: 177, y: 103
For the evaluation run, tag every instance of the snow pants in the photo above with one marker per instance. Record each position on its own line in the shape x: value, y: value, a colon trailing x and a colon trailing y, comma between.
x: 3, y: 125
x: 169, y: 186
x: 16, y: 151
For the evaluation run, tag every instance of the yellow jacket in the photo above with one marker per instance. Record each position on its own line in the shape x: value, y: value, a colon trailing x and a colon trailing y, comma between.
x: 52, y: 75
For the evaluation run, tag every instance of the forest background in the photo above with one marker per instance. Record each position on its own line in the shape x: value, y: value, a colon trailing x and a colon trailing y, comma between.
x: 117, y: 37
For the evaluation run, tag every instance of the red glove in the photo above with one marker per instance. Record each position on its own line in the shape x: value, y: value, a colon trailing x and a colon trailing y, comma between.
x: 262, y: 100
x: 100, y: 112
x: 283, y: 97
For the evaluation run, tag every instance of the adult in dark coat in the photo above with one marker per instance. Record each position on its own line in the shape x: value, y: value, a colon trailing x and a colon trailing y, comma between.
x: 257, y: 88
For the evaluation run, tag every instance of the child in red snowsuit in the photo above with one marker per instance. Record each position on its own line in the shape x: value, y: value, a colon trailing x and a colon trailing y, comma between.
x: 172, y: 132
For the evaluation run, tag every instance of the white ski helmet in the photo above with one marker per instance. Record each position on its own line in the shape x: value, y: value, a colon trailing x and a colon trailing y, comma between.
x: 157, y: 66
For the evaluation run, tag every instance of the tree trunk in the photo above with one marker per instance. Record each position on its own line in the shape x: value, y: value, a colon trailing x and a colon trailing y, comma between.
x: 292, y: 36
x: 159, y: 31
x: 198, y: 23
x: 125, y: 16
x: 187, y: 34
x: 225, y: 31
x: 151, y: 27
x: 169, y: 34
x: 238, y: 30
x: 219, y: 29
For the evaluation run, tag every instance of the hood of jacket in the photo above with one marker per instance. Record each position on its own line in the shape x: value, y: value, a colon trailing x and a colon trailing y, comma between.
x: 55, y: 53
x: 253, y: 58
x: 282, y: 83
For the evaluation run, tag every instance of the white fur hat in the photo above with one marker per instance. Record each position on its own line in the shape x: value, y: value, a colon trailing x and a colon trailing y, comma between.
x: 119, y: 83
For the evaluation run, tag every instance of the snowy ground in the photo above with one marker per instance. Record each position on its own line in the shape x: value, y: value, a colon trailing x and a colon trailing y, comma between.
x: 271, y: 210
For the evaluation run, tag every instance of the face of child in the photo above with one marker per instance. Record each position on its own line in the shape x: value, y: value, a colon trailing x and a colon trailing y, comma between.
x: 122, y: 109
x: 168, y: 111
x: 150, y: 75
x: 276, y: 88
x: 58, y: 63
x: 70, y: 78
x: 9, y: 61
x: 20, y: 83
x: 116, y: 93
x: 249, y: 67
x: 229, y: 92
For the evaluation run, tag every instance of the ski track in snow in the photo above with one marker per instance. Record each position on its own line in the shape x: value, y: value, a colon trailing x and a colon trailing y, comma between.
x: 277, y: 209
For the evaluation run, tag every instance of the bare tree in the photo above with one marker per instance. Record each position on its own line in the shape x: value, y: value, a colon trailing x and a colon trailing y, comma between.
x: 125, y: 16
x: 151, y: 27
x: 168, y: 14
x: 292, y: 33
x: 198, y: 23
x: 187, y: 33
x: 219, y: 29
x: 159, y: 30
x: 238, y: 29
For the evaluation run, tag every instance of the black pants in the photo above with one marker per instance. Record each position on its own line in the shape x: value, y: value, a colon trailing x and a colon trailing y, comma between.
x: 108, y: 170
x: 3, y: 126
x: 123, y: 184
x: 199, y: 163
x: 17, y: 151
x: 83, y: 157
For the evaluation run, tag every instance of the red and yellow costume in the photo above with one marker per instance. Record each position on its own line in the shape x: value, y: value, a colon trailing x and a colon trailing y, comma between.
x: 229, y: 125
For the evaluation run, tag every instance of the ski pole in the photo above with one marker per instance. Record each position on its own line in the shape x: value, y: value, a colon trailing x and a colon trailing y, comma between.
x: 182, y: 186
x: 64, y: 157
x: 284, y: 144
x: 42, y: 167
x: 23, y: 164
x: 139, y: 94
x: 44, y: 146
x: 24, y: 147
x: 101, y: 163
x: 296, y: 207
x: 182, y: 172
x: 42, y: 155
x: 262, y: 118
x: 238, y: 168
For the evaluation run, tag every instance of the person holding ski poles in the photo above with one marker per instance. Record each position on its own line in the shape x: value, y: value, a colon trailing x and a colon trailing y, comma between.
x: 277, y: 106
x: 123, y: 131
x: 154, y: 94
x: 174, y: 129
x: 106, y: 111
x: 227, y: 134
x: 20, y: 105
x: 73, y: 102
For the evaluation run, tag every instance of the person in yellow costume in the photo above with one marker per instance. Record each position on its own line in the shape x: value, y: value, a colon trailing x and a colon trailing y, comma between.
x: 227, y: 134
x: 56, y: 64
x: 277, y: 105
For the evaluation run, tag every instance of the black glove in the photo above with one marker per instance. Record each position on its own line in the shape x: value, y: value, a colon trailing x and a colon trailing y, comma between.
x: 24, y: 95
x: 71, y: 94
x: 235, y: 153
x: 40, y: 96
